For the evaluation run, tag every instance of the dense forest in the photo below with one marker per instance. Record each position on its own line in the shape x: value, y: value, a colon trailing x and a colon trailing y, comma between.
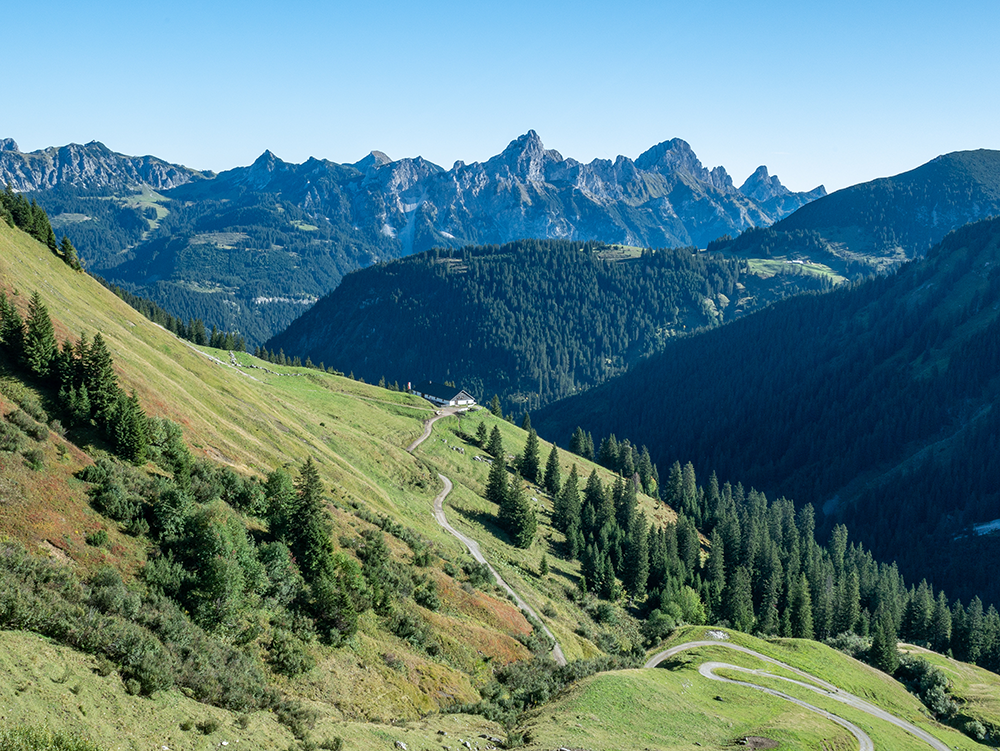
x: 875, y: 401
x: 532, y: 321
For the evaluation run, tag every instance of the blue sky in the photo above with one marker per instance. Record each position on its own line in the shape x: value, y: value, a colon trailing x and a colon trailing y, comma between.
x: 820, y: 92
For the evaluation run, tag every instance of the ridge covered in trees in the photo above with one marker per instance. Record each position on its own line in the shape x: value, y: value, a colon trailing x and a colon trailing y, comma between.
x: 531, y: 321
x: 804, y: 398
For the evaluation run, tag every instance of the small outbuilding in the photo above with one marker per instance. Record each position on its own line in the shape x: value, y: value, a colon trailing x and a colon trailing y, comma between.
x: 446, y: 396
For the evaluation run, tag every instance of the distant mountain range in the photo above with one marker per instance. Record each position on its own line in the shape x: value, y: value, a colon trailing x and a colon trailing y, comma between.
x: 248, y: 248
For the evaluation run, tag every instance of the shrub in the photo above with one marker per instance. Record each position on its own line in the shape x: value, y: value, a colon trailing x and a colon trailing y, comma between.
x: 11, y: 438
x: 22, y: 738
x: 479, y: 574
x: 207, y: 727
x: 97, y: 539
x: 426, y: 594
x: 287, y: 654
x: 27, y: 424
x: 975, y: 730
x: 35, y: 459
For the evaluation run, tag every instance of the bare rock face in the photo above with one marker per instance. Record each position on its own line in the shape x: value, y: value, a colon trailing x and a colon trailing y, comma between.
x: 92, y: 165
x: 777, y: 200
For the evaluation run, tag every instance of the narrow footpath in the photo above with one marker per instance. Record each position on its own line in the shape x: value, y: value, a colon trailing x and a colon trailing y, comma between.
x: 472, y: 545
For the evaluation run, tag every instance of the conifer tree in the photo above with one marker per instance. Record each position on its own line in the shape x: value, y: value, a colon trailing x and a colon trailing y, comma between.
x: 553, y: 480
x: 130, y: 429
x: 39, y: 338
x: 69, y: 254
x: 530, y: 461
x: 11, y: 328
x: 518, y: 516
x: 800, y: 605
x: 312, y: 527
x: 884, y: 653
x: 496, y: 482
x: 494, y: 447
x: 100, y: 379
x: 566, y: 508
x: 481, y: 435
x: 635, y: 572
x: 739, y: 600
x: 495, y: 407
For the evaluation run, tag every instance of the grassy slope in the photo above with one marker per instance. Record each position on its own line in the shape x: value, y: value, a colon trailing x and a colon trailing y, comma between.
x: 254, y: 421
x: 357, y: 434
x: 673, y: 707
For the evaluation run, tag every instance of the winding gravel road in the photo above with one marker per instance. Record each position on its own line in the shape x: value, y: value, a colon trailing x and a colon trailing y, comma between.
x: 815, y: 685
x: 472, y: 545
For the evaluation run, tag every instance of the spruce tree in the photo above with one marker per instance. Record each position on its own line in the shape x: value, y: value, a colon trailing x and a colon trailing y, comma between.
x: 495, y: 407
x: 530, y: 462
x: 800, y: 618
x: 739, y: 600
x: 552, y: 472
x: 312, y: 527
x: 884, y: 653
x: 496, y: 483
x: 11, y: 328
x: 521, y: 522
x: 69, y: 254
x: 566, y: 508
x: 130, y: 429
x: 481, y: 435
x: 494, y: 447
x: 635, y: 572
x: 39, y: 338
x: 100, y: 379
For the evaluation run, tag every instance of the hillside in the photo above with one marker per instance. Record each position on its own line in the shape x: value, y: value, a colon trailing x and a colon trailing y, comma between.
x: 246, y: 250
x: 246, y: 607
x: 880, y: 224
x: 875, y: 403
x: 530, y: 321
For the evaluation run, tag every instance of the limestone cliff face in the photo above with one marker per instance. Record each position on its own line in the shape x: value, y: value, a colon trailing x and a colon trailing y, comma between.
x: 90, y: 166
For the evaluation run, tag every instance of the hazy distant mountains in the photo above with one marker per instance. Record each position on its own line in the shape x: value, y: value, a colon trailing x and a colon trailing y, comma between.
x: 250, y: 247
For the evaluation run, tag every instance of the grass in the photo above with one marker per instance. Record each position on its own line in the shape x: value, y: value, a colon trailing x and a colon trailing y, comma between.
x: 254, y: 421
x: 767, y: 267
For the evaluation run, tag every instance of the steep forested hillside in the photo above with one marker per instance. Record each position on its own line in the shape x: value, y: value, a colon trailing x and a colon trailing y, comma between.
x: 882, y: 223
x: 877, y: 403
x: 532, y: 321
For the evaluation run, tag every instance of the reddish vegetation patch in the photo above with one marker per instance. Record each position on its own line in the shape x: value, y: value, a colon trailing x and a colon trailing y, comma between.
x: 487, y: 643
x: 497, y: 614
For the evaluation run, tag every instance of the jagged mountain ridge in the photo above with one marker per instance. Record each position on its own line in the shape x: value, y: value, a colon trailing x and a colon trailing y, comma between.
x: 246, y: 249
x: 90, y: 166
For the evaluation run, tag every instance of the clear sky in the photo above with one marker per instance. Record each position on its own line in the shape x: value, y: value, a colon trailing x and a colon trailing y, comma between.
x: 820, y: 92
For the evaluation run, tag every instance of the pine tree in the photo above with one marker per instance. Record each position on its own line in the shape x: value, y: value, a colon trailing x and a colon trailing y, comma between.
x: 494, y: 447
x: 884, y: 653
x: 495, y: 407
x: 716, y: 574
x: 529, y: 462
x: 481, y: 435
x: 553, y: 480
x: 312, y: 527
x: 941, y: 625
x: 739, y: 600
x: 635, y: 572
x: 566, y: 508
x: 39, y: 339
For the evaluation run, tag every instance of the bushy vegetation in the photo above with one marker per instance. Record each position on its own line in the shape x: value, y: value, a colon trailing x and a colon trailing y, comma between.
x: 29, y: 738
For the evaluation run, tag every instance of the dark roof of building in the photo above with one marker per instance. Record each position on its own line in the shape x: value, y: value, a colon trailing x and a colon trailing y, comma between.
x: 438, y: 390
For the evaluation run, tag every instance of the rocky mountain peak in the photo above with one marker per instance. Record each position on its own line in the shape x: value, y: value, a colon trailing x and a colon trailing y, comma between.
x: 526, y: 157
x: 671, y: 156
x: 761, y: 186
x: 374, y: 160
x: 8, y: 144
